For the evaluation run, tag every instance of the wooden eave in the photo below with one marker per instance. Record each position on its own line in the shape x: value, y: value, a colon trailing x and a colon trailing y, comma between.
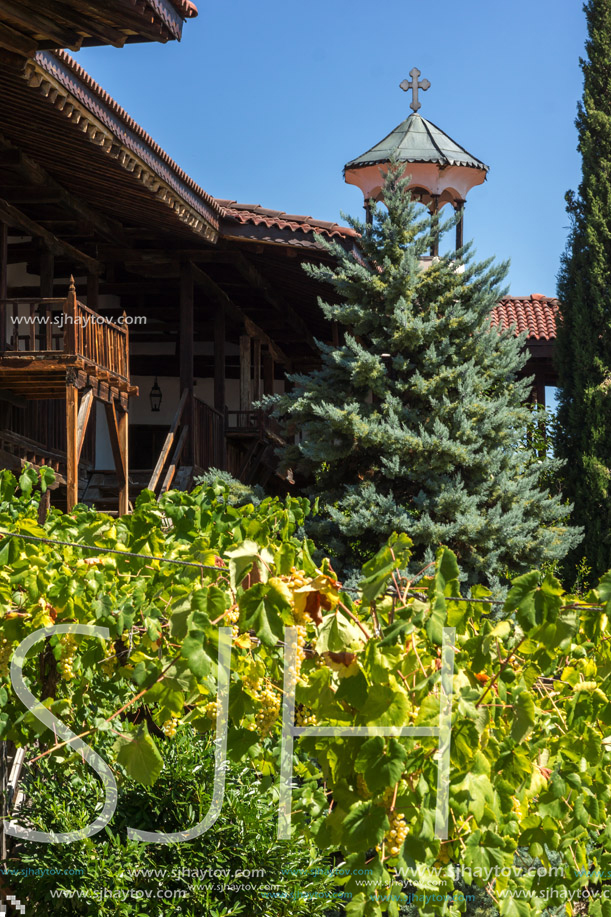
x: 81, y: 140
x: 27, y: 26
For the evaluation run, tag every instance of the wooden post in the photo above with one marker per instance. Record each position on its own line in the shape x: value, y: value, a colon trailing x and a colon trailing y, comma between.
x: 84, y: 412
x: 540, y: 390
x: 220, y: 393
x: 3, y: 283
x: 268, y: 374
x: 186, y: 349
x: 93, y: 291
x: 124, y: 447
x: 70, y: 309
x: 219, y: 359
x: 117, y: 430
x: 71, y: 440
x: 47, y: 273
x: 256, y: 346
x: 245, y: 399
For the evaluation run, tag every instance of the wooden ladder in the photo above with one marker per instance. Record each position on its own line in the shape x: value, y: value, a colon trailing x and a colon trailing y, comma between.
x: 178, y: 434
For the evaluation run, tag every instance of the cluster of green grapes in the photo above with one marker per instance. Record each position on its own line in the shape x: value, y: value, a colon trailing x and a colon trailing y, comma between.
x: 108, y: 663
x: 270, y: 708
x: 68, y: 655
x: 170, y: 726
x: 396, y: 834
x: 298, y: 644
x: 6, y: 651
x: 211, y: 710
x: 305, y: 717
x: 232, y: 616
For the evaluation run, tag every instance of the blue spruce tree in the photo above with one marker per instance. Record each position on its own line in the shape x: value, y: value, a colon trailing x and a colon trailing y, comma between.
x: 417, y: 421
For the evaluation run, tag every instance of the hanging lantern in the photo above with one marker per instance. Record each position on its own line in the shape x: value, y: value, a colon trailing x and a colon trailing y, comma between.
x: 155, y: 397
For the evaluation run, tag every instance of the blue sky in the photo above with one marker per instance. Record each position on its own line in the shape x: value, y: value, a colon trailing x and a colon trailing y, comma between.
x: 265, y: 102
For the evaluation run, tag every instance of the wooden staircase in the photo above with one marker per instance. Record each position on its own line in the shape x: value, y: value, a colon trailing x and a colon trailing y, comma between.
x: 101, y: 488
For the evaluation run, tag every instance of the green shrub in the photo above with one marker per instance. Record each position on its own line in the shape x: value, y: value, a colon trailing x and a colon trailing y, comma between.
x: 108, y: 874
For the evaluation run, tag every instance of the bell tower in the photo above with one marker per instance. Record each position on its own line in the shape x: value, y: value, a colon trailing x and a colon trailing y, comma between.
x: 440, y: 171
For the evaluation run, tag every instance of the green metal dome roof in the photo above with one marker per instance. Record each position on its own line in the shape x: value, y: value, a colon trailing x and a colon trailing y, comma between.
x: 417, y: 140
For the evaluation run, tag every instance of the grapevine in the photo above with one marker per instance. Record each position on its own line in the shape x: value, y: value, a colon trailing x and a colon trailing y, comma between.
x: 531, y: 703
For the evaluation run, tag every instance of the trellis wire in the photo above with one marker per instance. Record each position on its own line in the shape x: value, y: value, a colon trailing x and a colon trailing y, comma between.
x: 188, y: 563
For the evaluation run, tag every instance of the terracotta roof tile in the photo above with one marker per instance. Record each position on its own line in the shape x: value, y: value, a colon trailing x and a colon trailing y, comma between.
x: 187, y: 9
x: 535, y: 314
x: 77, y: 81
x: 257, y: 215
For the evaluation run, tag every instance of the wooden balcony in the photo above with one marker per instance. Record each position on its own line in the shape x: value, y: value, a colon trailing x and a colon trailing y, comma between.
x: 46, y: 338
x: 251, y: 423
x: 59, y: 349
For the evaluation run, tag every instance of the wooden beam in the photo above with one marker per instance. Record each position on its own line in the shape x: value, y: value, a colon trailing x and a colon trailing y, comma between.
x: 3, y: 282
x: 71, y: 442
x: 93, y: 291
x: 115, y: 442
x: 254, y: 277
x: 256, y: 349
x: 14, y: 217
x: 9, y: 397
x: 84, y: 412
x: 186, y: 342
x: 172, y: 467
x: 219, y: 297
x: 16, y: 41
x: 166, y: 255
x: 35, y: 22
x: 219, y: 359
x: 47, y: 186
x: 91, y: 22
x: 124, y: 447
x: 245, y: 390
x: 47, y: 272
x: 268, y: 374
x: 258, y: 333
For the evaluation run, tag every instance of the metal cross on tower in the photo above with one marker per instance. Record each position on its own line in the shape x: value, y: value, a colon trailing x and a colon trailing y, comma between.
x: 414, y: 85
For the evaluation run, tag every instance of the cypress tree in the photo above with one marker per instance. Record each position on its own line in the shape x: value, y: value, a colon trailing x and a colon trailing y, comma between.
x: 583, y: 348
x: 416, y: 422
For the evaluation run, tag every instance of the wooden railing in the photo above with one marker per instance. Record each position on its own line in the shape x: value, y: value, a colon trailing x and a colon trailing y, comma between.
x: 100, y: 341
x: 208, y: 436
x: 44, y: 422
x: 245, y: 422
x: 52, y: 326
x: 250, y: 423
x: 34, y: 325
